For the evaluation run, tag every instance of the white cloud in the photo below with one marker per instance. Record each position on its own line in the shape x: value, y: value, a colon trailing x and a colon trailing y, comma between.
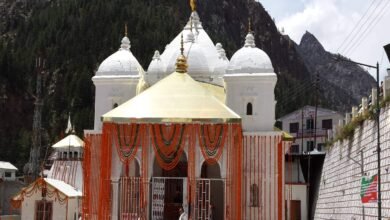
x: 332, y: 20
x: 322, y: 18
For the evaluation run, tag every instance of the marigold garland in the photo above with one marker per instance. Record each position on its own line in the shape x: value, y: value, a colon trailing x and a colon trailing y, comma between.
x: 39, y: 185
x: 127, y: 138
x: 212, y: 140
x: 168, y: 142
x: 168, y: 150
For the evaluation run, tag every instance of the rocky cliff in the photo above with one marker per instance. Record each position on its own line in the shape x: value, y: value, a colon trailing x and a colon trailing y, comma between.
x: 343, y: 84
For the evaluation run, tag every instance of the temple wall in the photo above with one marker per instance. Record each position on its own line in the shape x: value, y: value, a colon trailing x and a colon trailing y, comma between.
x: 263, y: 165
x: 339, y: 194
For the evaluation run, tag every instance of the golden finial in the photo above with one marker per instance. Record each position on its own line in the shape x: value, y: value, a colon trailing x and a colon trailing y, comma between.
x: 126, y: 29
x: 193, y: 5
x: 181, y: 62
x: 249, y: 25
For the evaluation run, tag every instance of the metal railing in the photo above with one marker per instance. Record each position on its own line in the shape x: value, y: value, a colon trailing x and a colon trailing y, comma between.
x: 307, y: 133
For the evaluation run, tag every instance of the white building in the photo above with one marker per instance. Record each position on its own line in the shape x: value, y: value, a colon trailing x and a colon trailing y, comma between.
x: 9, y: 185
x: 245, y: 85
x: 58, y: 196
x: 301, y: 125
x: 7, y: 171
x: 309, y: 141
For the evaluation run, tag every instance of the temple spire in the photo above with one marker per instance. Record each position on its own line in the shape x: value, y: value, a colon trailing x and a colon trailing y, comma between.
x: 181, y: 45
x: 181, y: 62
x: 193, y: 5
x: 125, y: 41
x: 249, y: 26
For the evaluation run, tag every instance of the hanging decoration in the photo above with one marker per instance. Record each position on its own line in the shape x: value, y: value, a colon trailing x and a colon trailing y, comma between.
x: 168, y: 141
x: 168, y: 144
x: 39, y: 185
x: 145, y: 173
x: 91, y: 175
x: 126, y: 139
x: 211, y: 140
x: 104, y: 209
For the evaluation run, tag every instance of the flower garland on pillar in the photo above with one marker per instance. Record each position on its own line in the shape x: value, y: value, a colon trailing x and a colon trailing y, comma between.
x: 105, y: 173
x: 191, y: 187
x: 91, y: 177
x: 145, y: 173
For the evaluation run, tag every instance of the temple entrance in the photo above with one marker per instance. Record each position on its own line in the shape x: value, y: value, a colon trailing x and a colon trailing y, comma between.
x: 210, y: 193
x: 129, y: 191
x: 169, y: 190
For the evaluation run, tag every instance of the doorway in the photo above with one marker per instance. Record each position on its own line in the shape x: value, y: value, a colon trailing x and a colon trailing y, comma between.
x: 169, y: 190
x: 210, y: 201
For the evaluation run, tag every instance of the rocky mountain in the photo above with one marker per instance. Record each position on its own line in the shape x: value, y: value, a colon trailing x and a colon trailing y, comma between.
x: 77, y: 35
x: 343, y: 84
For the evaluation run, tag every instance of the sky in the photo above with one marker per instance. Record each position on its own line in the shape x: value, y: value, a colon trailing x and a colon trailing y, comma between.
x: 357, y: 29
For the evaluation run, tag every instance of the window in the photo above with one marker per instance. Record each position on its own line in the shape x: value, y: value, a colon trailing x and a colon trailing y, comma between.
x: 249, y: 109
x: 254, y: 196
x: 43, y: 210
x: 65, y: 155
x: 310, y: 124
x: 76, y: 155
x: 7, y: 174
x: 115, y: 105
x: 294, y: 127
x: 310, y: 145
x: 327, y: 124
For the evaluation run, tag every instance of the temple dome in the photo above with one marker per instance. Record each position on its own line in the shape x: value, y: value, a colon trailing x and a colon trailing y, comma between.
x: 250, y: 59
x: 223, y: 63
x: 198, y: 65
x: 202, y: 54
x: 121, y: 63
x: 156, y: 69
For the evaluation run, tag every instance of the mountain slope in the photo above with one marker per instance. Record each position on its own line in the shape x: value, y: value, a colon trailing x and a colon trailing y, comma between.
x: 349, y: 81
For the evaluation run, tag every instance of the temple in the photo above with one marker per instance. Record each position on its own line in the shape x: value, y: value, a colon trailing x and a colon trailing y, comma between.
x: 195, y: 131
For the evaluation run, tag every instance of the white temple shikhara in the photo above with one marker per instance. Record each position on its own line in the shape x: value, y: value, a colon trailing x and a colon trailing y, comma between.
x: 194, y: 131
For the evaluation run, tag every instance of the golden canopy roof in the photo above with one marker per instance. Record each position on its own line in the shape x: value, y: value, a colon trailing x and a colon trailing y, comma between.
x: 176, y: 98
